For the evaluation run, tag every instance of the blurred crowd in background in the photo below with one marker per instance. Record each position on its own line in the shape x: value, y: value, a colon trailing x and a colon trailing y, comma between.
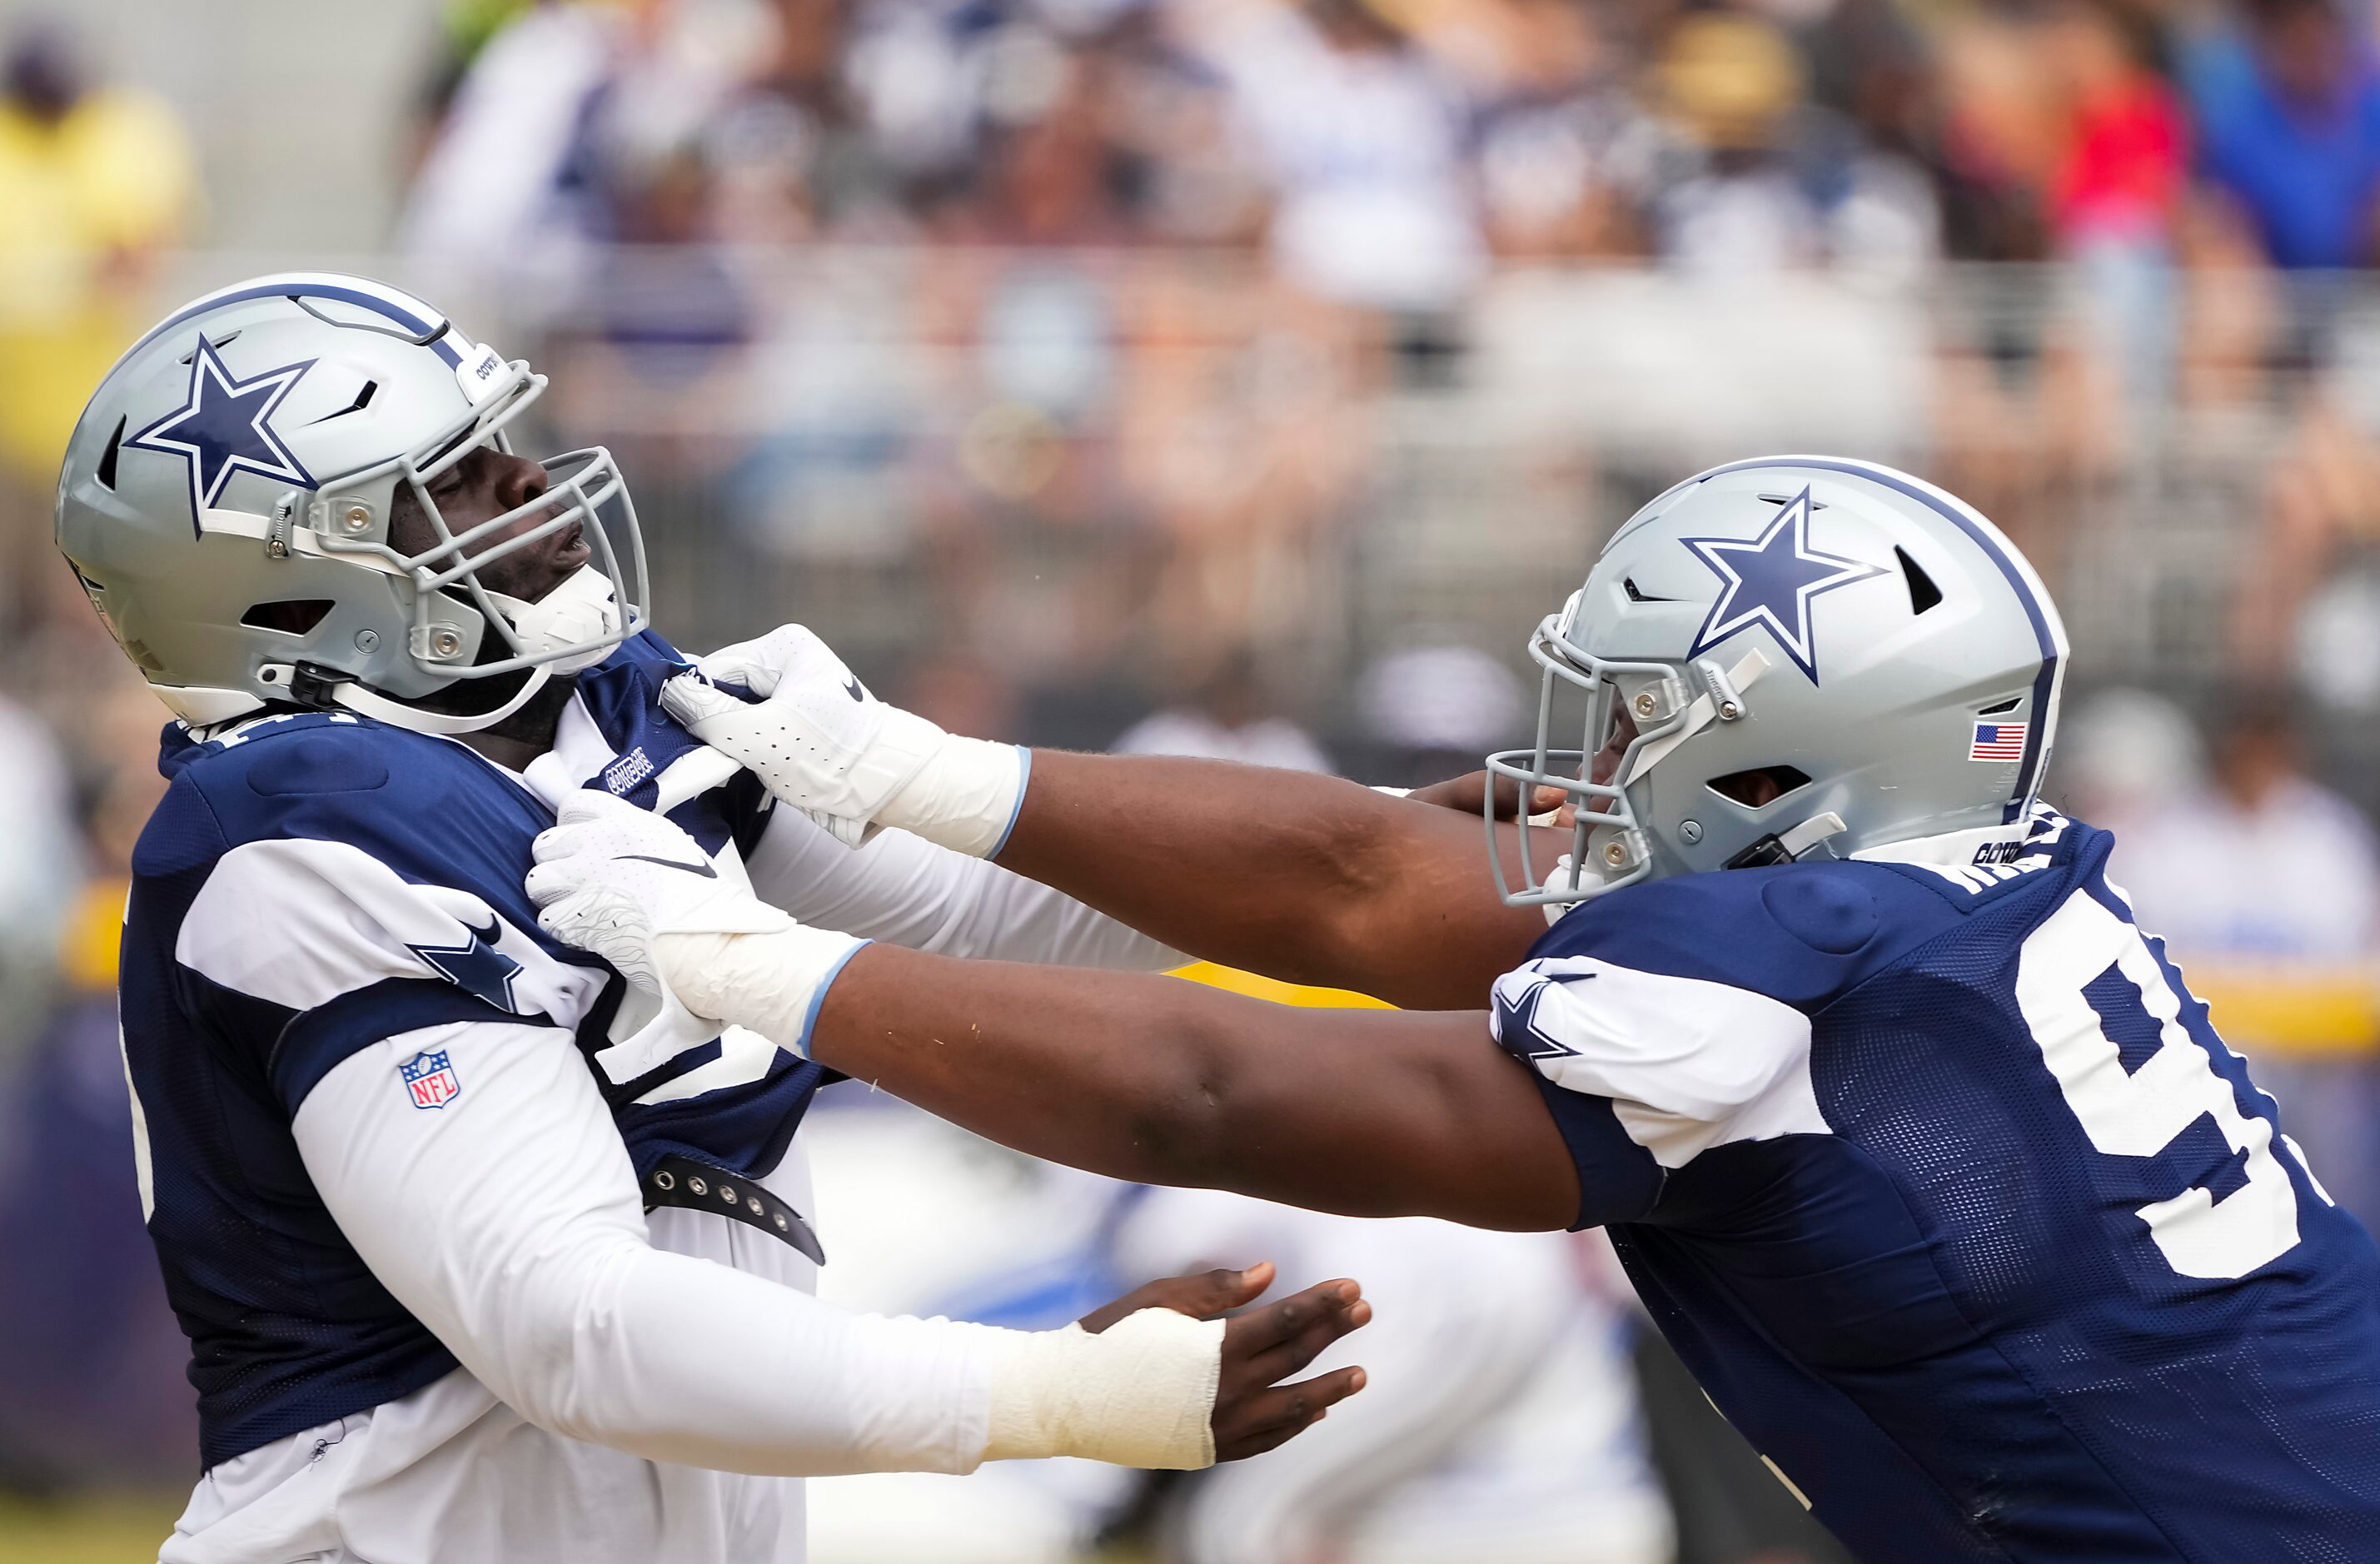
x: 1246, y: 378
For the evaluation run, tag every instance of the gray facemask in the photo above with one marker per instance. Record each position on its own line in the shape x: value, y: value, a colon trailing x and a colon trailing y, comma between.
x: 226, y: 495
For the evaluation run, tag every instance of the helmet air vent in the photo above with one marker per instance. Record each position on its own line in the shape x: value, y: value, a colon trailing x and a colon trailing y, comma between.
x: 1638, y: 595
x: 221, y: 342
x: 106, y: 469
x: 363, y: 400
x: 296, y: 616
x: 1759, y: 786
x: 1923, y: 593
x: 2007, y: 705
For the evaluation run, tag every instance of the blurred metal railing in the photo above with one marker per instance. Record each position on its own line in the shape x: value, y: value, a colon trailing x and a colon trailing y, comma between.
x: 1090, y: 471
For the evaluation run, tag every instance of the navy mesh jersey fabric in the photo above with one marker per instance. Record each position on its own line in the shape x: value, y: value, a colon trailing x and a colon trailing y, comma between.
x: 1946, y: 1320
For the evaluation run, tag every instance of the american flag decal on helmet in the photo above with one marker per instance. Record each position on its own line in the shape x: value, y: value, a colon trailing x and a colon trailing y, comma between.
x: 1997, y: 741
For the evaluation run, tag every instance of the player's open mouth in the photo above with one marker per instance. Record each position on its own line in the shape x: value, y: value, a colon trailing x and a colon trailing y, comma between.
x: 571, y: 549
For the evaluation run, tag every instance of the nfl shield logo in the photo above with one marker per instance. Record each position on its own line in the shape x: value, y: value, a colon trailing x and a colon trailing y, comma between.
x: 430, y: 1079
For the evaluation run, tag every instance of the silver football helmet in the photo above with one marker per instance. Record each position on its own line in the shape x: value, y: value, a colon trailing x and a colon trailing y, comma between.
x: 1791, y: 656
x: 243, y: 459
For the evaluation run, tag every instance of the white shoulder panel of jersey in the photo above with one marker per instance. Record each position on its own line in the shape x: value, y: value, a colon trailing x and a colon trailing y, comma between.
x: 1687, y: 1063
x: 298, y: 922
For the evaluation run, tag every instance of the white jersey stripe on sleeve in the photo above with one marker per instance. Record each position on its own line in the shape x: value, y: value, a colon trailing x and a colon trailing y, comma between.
x: 298, y: 922
x: 1687, y: 1063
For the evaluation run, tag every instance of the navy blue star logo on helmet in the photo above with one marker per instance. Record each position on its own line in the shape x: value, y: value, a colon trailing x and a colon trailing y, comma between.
x: 1769, y: 580
x: 475, y: 966
x: 225, y: 426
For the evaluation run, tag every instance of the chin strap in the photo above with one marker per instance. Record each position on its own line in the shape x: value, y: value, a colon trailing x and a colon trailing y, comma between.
x: 309, y: 688
x: 1784, y: 847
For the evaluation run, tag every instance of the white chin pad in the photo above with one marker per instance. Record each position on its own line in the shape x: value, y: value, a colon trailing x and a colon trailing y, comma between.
x: 583, y: 608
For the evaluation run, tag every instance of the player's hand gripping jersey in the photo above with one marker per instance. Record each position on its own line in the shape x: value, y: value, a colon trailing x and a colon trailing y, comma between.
x: 1915, y: 1145
x: 485, y: 1252
x: 1947, y: 1151
x: 333, y: 985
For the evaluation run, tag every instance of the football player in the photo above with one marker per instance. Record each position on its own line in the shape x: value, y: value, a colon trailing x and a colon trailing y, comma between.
x: 482, y: 1253
x: 1914, y: 1144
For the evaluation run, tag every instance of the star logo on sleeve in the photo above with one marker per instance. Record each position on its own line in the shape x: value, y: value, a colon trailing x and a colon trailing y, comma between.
x: 475, y: 966
x: 1770, y: 581
x: 1516, y: 1023
x: 225, y: 426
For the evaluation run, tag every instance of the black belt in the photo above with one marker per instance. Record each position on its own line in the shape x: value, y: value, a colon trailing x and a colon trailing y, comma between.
x: 681, y: 1181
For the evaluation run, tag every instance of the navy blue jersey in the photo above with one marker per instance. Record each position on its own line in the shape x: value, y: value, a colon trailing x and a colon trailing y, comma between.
x: 1942, y: 1184
x: 314, y: 883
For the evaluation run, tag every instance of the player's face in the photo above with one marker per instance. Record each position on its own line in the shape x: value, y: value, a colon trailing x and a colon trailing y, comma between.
x: 1605, y: 764
x: 484, y: 484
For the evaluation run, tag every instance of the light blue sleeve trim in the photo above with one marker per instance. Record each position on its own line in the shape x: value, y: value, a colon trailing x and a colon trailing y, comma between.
x: 818, y: 996
x: 1024, y: 780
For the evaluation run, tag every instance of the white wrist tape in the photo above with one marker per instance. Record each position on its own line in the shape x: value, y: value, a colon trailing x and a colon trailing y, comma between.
x: 772, y: 983
x: 1140, y: 1393
x: 966, y: 795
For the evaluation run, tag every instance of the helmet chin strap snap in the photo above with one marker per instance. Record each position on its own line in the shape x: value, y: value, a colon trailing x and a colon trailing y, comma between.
x: 581, y: 609
x: 318, y: 688
x: 1784, y: 847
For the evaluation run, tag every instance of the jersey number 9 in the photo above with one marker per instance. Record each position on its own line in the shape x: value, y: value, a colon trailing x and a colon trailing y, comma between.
x: 2139, y: 1112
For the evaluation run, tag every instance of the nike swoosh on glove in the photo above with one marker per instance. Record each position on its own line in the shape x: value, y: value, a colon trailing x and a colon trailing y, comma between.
x: 610, y: 878
x: 822, y: 743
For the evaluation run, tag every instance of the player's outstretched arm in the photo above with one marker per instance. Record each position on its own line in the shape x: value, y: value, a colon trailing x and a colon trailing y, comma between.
x: 1138, y: 1076
x: 1302, y: 878
x: 507, y: 1222
x: 1369, y: 1113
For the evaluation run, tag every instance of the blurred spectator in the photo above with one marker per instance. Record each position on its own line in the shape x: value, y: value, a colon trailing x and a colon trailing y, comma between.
x: 1361, y: 134
x: 1226, y: 716
x: 583, y: 124
x: 465, y: 28
x: 1995, y: 145
x: 2287, y: 867
x: 89, y: 1356
x: 1430, y: 711
x: 37, y: 864
x: 2120, y: 178
x: 2117, y: 193
x: 1755, y: 181
x: 2259, y: 871
x: 1731, y: 85
x: 1563, y: 152
x: 502, y: 180
x: 1502, y: 1423
x: 2305, y: 610
x: 91, y: 1385
x: 2125, y: 757
x: 95, y: 179
x: 1048, y: 169
x: 2289, y: 119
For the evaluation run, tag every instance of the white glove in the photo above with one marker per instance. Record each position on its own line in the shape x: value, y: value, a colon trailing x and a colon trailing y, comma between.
x: 631, y: 887
x: 822, y: 745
